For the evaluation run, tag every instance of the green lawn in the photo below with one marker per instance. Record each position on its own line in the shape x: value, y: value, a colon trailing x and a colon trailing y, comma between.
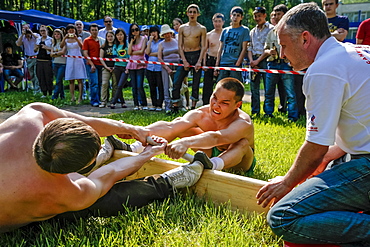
x: 182, y: 221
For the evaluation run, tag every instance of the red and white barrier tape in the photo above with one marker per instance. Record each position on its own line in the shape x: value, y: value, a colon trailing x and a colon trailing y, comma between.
x: 274, y: 71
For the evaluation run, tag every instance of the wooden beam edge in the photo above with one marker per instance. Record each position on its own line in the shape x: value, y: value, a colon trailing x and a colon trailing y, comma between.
x: 218, y: 186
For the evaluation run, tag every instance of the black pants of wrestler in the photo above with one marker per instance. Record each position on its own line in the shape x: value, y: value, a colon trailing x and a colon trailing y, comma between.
x: 209, y: 80
x: 129, y: 193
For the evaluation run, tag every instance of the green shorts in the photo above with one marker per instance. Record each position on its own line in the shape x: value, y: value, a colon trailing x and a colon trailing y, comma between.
x: 216, y: 152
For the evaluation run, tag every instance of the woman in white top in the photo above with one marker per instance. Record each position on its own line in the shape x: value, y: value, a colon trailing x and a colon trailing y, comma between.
x: 75, y: 67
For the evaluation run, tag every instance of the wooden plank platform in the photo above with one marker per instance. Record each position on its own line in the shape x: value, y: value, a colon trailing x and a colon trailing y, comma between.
x: 218, y: 186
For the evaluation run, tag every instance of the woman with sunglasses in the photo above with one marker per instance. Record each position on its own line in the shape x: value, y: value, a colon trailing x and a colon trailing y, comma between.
x: 59, y: 63
x: 136, y: 50
x: 44, y: 70
x: 75, y: 67
x: 120, y: 71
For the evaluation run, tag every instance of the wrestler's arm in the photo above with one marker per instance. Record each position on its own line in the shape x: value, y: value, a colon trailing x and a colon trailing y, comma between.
x: 173, y: 129
x: 84, y: 191
x: 210, y: 139
x: 103, y: 126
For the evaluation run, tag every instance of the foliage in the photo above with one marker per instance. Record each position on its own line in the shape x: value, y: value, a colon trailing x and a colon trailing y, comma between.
x: 148, y: 12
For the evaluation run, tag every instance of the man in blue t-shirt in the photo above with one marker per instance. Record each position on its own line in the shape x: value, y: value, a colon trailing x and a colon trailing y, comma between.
x: 233, y: 46
x: 338, y: 25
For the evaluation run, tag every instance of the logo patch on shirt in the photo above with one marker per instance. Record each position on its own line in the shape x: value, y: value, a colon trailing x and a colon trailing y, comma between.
x: 122, y: 53
x: 311, y: 124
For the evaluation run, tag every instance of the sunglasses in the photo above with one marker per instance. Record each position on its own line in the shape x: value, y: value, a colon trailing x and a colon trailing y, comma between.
x: 107, y: 21
x: 135, y: 30
x: 42, y: 30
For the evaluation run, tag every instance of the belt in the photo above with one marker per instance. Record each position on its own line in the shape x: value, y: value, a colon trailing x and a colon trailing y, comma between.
x: 211, y: 57
x: 359, y: 156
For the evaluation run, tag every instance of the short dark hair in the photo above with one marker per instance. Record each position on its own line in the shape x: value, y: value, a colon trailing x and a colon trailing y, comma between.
x: 66, y: 145
x: 93, y: 25
x: 70, y: 26
x: 154, y: 29
x: 6, y: 45
x: 218, y: 15
x: 238, y: 10
x: 305, y: 17
x: 233, y: 85
x: 261, y: 10
x: 281, y: 7
x: 178, y: 20
x: 193, y: 6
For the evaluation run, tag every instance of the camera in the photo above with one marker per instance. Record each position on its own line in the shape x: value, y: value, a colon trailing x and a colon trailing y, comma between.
x: 71, y: 35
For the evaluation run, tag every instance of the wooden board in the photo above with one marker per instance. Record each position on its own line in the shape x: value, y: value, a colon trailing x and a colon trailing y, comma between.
x: 218, y: 186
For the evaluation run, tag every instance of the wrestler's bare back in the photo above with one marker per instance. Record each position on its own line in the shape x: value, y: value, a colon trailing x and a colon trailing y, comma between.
x: 27, y: 193
x: 191, y: 36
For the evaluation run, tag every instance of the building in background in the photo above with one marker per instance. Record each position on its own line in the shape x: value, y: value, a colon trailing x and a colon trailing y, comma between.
x: 356, y: 13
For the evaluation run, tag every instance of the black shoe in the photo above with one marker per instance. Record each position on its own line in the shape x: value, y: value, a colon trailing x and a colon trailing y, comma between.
x: 118, y: 145
x: 203, y: 158
x: 173, y: 111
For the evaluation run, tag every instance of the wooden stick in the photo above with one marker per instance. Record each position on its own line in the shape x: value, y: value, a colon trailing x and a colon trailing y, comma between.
x: 218, y: 186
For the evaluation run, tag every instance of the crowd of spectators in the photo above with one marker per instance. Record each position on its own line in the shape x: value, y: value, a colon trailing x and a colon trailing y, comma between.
x: 102, y: 81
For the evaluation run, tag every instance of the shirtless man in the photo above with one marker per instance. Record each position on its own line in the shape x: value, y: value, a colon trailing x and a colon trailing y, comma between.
x: 43, y: 150
x: 219, y: 130
x: 212, y: 46
x: 192, y: 46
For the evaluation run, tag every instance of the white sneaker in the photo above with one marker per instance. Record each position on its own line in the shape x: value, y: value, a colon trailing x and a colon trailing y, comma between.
x: 184, y: 176
x: 136, y: 108
x: 158, y: 109
x: 145, y: 108
x: 101, y: 105
x: 105, y: 153
x: 152, y: 108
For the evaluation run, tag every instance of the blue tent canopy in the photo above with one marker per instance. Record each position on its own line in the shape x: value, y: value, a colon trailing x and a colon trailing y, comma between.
x: 37, y: 17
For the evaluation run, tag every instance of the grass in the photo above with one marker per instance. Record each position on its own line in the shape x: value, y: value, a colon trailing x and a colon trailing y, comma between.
x: 180, y: 221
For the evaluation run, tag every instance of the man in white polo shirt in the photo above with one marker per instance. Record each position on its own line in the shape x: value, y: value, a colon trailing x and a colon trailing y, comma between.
x: 108, y: 23
x: 325, y: 209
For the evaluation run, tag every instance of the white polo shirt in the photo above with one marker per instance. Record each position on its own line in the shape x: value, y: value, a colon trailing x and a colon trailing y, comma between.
x: 337, y: 88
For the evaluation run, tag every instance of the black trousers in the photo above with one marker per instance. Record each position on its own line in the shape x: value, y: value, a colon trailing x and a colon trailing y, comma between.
x: 209, y: 80
x: 128, y: 193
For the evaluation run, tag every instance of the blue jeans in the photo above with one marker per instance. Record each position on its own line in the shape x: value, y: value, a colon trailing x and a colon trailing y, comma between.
x: 228, y: 73
x: 94, y: 85
x: 325, y: 209
x: 59, y: 71
x: 13, y: 72
x: 137, y: 83
x: 192, y: 58
x: 1, y: 83
x: 255, y: 87
x: 288, y: 81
